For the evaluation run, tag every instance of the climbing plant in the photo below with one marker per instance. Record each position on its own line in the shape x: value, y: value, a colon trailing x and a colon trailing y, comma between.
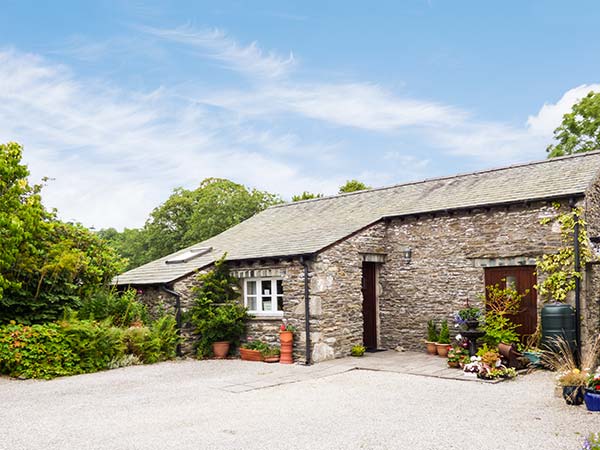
x: 559, y: 268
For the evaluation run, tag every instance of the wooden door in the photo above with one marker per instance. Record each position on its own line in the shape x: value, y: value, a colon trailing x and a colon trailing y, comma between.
x: 369, y: 307
x: 521, y: 278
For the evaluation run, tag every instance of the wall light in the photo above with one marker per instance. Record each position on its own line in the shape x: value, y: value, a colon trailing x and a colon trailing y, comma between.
x: 407, y: 254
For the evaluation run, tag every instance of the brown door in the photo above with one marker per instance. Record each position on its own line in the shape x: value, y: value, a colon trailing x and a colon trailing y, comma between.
x: 521, y: 278
x: 369, y: 308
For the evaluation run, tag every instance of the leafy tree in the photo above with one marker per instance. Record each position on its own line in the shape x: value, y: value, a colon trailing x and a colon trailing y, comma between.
x: 579, y: 131
x: 305, y: 196
x: 45, y: 264
x: 353, y: 186
x: 188, y: 217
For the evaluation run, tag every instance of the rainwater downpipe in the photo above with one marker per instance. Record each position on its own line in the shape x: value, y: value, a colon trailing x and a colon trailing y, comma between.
x: 308, y: 359
x: 177, y: 296
x: 577, y: 268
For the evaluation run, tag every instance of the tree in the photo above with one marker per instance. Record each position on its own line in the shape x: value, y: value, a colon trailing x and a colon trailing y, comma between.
x: 579, y: 131
x: 305, y: 196
x: 188, y: 217
x: 45, y: 264
x: 353, y: 186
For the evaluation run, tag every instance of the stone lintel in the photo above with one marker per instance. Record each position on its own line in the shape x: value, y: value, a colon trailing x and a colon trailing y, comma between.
x: 373, y: 257
x: 259, y: 273
x: 502, y: 262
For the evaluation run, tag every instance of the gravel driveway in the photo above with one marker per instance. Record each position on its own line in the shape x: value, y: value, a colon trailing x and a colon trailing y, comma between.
x: 182, y: 405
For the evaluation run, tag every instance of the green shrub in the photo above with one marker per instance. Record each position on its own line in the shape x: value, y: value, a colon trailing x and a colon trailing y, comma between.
x: 164, y: 332
x: 432, y: 332
x: 37, y: 351
x: 444, y: 333
x: 121, y: 307
x: 358, y: 350
x: 95, y: 343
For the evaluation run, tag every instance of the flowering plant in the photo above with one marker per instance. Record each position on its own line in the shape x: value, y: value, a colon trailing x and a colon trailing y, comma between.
x: 592, y: 442
x: 459, y: 355
x: 594, y: 380
x: 474, y: 366
x: 286, y: 327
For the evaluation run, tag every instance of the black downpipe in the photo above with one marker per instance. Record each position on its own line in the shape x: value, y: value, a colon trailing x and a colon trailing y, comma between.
x: 177, y: 296
x: 308, y: 359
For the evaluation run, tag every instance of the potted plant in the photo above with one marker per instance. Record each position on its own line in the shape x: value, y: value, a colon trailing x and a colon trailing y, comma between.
x: 253, y: 350
x: 271, y: 354
x: 432, y: 337
x: 468, y: 317
x: 358, y: 350
x: 573, y: 384
x: 592, y: 392
x: 458, y: 356
x: 443, y: 342
x: 286, y: 339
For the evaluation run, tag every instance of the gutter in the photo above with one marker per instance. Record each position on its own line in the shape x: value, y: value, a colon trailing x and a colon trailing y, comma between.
x: 307, y: 354
x: 177, y: 296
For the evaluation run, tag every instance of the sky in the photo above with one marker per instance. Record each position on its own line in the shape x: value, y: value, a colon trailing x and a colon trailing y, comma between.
x: 120, y: 102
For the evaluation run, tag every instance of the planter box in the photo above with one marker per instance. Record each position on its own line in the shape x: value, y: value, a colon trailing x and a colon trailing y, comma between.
x: 250, y: 355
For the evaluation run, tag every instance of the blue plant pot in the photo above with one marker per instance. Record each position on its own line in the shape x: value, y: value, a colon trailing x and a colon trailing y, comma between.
x: 592, y: 400
x: 533, y: 357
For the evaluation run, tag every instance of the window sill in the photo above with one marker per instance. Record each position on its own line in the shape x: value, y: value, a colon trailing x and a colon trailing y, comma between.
x: 266, y: 316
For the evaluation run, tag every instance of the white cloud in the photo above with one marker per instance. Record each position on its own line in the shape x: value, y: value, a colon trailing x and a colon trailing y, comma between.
x: 115, y: 155
x: 218, y: 45
x: 550, y: 115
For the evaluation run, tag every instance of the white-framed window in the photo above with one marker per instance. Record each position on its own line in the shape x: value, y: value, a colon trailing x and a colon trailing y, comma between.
x: 263, y: 296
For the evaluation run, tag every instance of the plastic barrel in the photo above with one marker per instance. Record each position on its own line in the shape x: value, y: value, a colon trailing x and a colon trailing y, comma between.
x: 558, y: 320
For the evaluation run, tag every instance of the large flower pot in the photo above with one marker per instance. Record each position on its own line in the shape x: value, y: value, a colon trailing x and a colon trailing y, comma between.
x: 286, y: 338
x: 220, y: 349
x: 442, y: 349
x: 250, y: 355
x: 431, y: 348
x: 592, y: 400
x: 573, y: 395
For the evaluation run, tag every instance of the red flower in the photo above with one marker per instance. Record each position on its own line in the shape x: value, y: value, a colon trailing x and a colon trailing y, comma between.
x: 282, y: 327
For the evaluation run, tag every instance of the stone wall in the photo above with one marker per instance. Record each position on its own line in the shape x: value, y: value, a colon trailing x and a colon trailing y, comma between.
x: 336, y: 296
x: 442, y: 274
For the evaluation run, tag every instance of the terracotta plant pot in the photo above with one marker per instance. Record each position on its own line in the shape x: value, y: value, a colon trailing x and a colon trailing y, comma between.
x: 573, y: 395
x: 220, y: 349
x: 271, y: 359
x: 250, y: 355
x: 454, y: 364
x: 442, y: 349
x: 431, y: 348
x: 286, y: 338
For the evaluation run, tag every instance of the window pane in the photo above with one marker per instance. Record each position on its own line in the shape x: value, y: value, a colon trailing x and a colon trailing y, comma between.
x: 251, y: 303
x: 250, y: 287
x: 279, y: 303
x: 279, y: 287
x: 511, y: 282
x: 266, y: 287
x: 266, y: 304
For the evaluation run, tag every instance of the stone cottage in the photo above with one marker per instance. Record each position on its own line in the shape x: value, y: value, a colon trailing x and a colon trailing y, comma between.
x: 371, y: 267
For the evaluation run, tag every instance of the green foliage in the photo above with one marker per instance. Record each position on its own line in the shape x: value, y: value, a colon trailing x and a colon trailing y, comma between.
x: 432, y: 331
x: 353, y: 186
x: 305, y: 196
x: 470, y: 313
x: 216, y: 314
x: 188, y: 217
x: 256, y: 344
x: 45, y: 264
x: 559, y: 267
x: 122, y: 307
x: 580, y: 129
x: 444, y: 337
x: 500, y: 304
x: 358, y: 350
x: 37, y: 351
x: 75, y: 346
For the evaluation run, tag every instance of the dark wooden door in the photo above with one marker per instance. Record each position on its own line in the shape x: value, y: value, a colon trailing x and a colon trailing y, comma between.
x: 521, y: 278
x: 369, y: 309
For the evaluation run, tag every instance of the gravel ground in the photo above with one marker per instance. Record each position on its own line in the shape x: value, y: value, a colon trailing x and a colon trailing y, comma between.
x: 178, y: 405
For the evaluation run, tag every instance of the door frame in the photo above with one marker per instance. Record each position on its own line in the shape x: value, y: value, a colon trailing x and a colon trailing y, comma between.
x: 374, y: 266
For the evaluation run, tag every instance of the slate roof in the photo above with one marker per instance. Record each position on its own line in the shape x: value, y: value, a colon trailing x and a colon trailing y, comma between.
x: 308, y: 226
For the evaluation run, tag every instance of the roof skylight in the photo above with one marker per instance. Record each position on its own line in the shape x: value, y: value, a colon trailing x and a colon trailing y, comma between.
x: 188, y: 255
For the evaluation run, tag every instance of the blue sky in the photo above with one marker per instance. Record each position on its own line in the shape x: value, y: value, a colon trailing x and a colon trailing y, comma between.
x: 120, y: 102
